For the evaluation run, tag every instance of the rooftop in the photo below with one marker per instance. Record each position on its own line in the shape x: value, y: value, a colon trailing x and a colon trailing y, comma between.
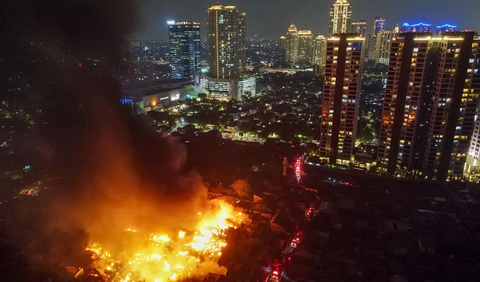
x: 137, y: 85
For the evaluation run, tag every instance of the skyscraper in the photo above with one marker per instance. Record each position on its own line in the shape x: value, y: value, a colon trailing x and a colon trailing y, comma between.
x: 320, y: 51
x: 291, y: 55
x: 341, y: 97
x: 444, y: 28
x: 430, y: 103
x: 226, y: 38
x: 340, y: 17
x: 305, y: 46
x: 378, y: 25
x: 453, y: 110
x: 382, y: 46
x: 419, y: 27
x: 184, y: 48
x: 359, y: 27
x: 404, y: 95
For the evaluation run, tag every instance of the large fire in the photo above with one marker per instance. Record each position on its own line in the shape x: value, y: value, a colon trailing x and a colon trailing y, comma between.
x: 170, y: 256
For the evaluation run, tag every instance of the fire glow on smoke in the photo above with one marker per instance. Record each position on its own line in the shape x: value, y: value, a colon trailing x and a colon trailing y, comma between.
x: 170, y: 256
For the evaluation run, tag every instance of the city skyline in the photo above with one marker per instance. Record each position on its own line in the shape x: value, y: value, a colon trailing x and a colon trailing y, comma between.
x: 310, y: 15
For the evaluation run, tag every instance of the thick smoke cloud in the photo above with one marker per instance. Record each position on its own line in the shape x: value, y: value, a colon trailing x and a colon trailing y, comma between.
x: 114, y: 170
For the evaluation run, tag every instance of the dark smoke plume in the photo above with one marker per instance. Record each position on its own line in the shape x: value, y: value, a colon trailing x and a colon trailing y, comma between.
x: 114, y: 169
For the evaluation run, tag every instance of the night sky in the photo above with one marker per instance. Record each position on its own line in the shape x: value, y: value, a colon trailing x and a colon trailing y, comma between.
x: 270, y: 18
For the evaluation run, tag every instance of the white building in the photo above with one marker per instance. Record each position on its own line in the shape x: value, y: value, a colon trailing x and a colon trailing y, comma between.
x: 228, y: 88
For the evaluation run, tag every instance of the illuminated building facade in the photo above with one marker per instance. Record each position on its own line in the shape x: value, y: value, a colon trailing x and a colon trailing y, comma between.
x: 396, y: 29
x: 444, y: 28
x: 378, y: 26
x: 430, y: 104
x: 305, y: 46
x: 419, y: 27
x: 341, y: 97
x: 403, y: 99
x: 184, y: 48
x: 291, y: 55
x: 359, y: 27
x: 226, y: 39
x: 340, y: 17
x: 320, y: 51
x: 382, y: 46
x: 454, y: 106
x: 283, y: 42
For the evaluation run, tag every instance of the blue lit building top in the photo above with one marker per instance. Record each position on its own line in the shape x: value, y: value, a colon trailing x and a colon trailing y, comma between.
x: 378, y: 25
x: 419, y: 27
x: 444, y: 28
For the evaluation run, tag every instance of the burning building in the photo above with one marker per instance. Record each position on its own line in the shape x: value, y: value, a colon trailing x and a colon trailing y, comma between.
x: 177, y: 255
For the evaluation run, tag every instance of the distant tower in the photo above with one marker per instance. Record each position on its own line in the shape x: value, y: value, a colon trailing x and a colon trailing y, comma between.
x: 226, y: 37
x: 378, y: 25
x: 283, y: 42
x: 184, y: 48
x: 359, y: 27
x: 341, y: 93
x: 320, y: 51
x: 382, y: 46
x: 292, y: 44
x: 396, y: 30
x: 340, y: 17
x: 305, y: 48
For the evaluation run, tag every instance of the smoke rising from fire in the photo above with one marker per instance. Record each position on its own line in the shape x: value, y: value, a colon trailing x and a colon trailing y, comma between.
x: 115, y: 171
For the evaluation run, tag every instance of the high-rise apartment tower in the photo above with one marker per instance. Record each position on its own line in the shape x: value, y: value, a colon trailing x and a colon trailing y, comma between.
x: 341, y: 97
x: 226, y: 39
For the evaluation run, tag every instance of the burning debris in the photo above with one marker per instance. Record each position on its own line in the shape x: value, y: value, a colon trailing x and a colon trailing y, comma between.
x: 177, y: 255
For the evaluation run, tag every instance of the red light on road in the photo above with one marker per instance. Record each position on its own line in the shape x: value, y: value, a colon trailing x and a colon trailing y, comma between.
x: 79, y: 65
x: 275, y: 273
x: 289, y: 258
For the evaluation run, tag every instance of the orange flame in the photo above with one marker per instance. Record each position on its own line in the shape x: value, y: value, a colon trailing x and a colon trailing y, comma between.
x: 172, y: 257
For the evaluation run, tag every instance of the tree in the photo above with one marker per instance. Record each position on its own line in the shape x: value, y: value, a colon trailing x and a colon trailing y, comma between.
x: 242, y: 188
